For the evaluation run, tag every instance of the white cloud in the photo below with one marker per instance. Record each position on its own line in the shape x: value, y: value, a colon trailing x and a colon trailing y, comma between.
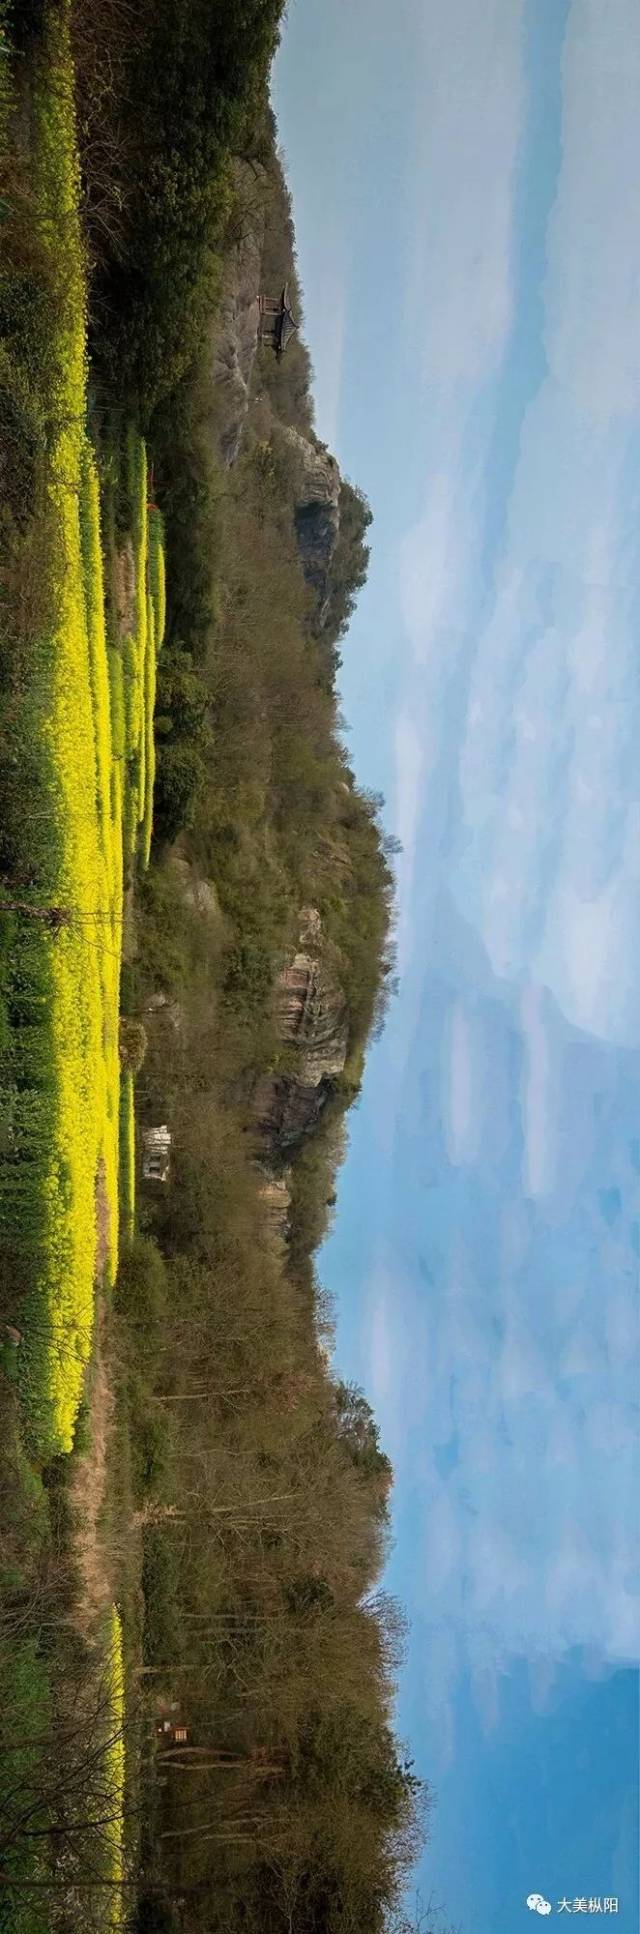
x: 593, y: 298
x: 460, y: 286
x: 460, y: 1085
x: 477, y: 1104
x: 411, y: 755
x: 548, y: 850
x: 329, y: 327
x: 434, y: 558
x: 485, y: 1686
x: 397, y: 1362
x: 466, y: 147
x: 410, y: 760
x: 381, y: 1345
x: 529, y: 1543
x: 547, y: 854
x: 444, y: 1538
x: 523, y: 687
x: 539, y: 1098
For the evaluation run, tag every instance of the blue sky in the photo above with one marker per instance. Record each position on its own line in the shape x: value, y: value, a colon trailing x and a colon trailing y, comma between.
x: 467, y: 208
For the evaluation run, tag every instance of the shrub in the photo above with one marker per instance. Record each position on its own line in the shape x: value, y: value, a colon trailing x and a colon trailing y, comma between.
x: 132, y: 1044
x: 142, y: 1289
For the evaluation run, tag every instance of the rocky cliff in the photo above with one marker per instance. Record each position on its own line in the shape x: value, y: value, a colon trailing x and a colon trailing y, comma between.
x: 315, y: 479
x: 313, y: 1028
x: 235, y: 336
x: 313, y: 474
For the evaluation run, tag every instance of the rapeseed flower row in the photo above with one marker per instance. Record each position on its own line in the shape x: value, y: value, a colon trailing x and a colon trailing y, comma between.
x: 150, y: 748
x: 139, y: 655
x: 114, y: 1769
x: 138, y: 487
x: 109, y: 895
x: 157, y: 574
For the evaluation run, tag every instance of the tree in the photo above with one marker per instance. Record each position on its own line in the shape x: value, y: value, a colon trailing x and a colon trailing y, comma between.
x: 360, y: 1435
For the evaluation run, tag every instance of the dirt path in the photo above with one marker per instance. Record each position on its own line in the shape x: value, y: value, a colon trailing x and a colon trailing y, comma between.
x: 87, y: 1489
x: 87, y: 1496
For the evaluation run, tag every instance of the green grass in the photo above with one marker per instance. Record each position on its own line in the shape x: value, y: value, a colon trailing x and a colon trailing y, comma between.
x: 25, y: 1674
x: 127, y: 1157
x: 6, y: 90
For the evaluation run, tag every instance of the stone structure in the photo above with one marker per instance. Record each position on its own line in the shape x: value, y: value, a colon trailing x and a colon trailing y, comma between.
x: 156, y: 1154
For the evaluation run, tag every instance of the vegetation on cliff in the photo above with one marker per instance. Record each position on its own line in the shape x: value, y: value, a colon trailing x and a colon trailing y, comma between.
x: 194, y: 1513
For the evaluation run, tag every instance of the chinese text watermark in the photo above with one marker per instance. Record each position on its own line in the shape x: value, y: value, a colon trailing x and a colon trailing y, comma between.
x: 580, y: 1904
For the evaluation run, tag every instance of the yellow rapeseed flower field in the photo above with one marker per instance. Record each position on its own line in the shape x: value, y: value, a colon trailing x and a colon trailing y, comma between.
x: 60, y: 1320
x: 61, y: 1183
x: 82, y: 721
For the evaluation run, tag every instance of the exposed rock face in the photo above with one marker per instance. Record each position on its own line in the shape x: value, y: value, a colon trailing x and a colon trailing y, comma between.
x: 316, y: 487
x: 313, y: 1025
x: 236, y: 334
x: 311, y: 1014
x: 199, y: 894
x: 275, y: 1193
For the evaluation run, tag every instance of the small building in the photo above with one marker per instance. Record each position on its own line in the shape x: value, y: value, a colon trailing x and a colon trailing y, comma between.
x: 171, y: 1734
x: 277, y: 322
x: 156, y: 1154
